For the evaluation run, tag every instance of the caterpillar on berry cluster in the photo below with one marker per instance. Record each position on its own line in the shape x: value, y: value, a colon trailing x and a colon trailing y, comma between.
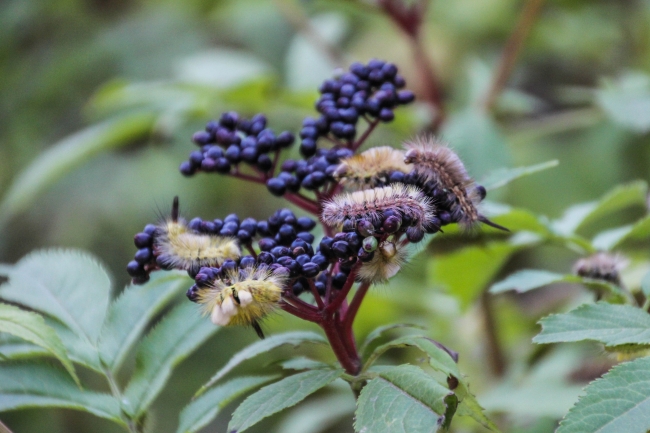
x: 243, y: 296
x: 176, y: 246
x: 369, y: 204
x: 371, y: 168
x: 435, y: 161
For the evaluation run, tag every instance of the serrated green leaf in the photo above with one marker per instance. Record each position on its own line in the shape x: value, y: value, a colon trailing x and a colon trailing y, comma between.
x: 450, y: 270
x: 403, y: 399
x: 310, y: 417
x: 204, y: 409
x: 179, y: 333
x: 378, y: 332
x: 614, y: 238
x: 504, y: 176
x: 28, y: 385
x: 278, y: 396
x: 293, y: 338
x: 619, y: 198
x: 618, y: 402
x: 31, y: 327
x: 525, y: 280
x: 302, y: 363
x: 80, y: 350
x: 440, y: 360
x: 610, y: 324
x: 70, y: 286
x: 15, y: 348
x: 627, y: 101
x: 129, y: 315
x: 64, y: 156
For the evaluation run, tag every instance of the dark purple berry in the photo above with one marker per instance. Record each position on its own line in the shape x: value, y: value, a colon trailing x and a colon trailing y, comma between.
x: 142, y: 240
x: 135, y: 269
x: 143, y: 255
x: 276, y: 186
x: 310, y: 270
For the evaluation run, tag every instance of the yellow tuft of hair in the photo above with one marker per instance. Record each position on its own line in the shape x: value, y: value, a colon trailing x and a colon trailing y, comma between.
x: 243, y: 297
x: 387, y: 261
x: 371, y: 168
x: 178, y: 247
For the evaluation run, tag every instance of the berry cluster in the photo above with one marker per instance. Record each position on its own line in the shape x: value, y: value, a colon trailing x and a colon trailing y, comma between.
x: 311, y: 174
x: 144, y: 261
x: 231, y: 140
x: 230, y: 226
x: 370, y: 91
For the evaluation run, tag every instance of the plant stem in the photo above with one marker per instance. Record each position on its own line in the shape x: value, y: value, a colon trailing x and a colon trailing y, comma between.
x: 354, y: 307
x: 340, y: 297
x: 512, y: 49
x: 351, y: 363
x: 371, y: 126
x: 495, y: 356
x: 117, y: 394
x: 303, y: 203
x: 429, y: 79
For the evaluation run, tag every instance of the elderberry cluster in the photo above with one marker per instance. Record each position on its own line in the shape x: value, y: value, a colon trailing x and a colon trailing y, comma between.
x: 370, y: 91
x: 144, y: 259
x: 312, y: 173
x: 232, y: 140
x: 230, y: 226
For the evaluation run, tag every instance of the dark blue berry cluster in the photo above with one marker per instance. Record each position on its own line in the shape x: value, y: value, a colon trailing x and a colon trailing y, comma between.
x: 371, y: 91
x: 312, y: 174
x: 230, y: 226
x: 144, y: 261
x: 232, y: 140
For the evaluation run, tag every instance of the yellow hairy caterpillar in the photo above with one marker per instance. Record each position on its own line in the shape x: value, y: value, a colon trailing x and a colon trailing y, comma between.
x: 178, y: 247
x: 242, y: 297
x: 371, y: 168
x: 387, y: 261
x: 437, y: 162
x: 371, y: 203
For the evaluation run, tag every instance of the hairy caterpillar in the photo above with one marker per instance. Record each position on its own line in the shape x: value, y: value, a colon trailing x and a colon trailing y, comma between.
x: 387, y: 261
x: 439, y: 163
x: 176, y: 246
x: 242, y: 297
x: 371, y: 168
x: 371, y: 203
x: 601, y: 266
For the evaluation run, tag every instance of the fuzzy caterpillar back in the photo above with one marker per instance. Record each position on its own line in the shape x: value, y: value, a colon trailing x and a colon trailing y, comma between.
x: 371, y: 168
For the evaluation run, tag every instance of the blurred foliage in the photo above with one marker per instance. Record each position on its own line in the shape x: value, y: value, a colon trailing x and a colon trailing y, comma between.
x: 98, y: 99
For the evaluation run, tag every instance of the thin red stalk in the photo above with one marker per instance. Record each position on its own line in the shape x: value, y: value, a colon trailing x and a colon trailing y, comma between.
x: 350, y: 363
x: 299, y: 303
x: 303, y: 203
x: 304, y: 315
x: 512, y: 49
x: 314, y: 292
x: 247, y: 177
x: 354, y: 307
x: 357, y: 144
x: 334, y: 141
x: 251, y: 250
x: 343, y: 293
x: 276, y: 159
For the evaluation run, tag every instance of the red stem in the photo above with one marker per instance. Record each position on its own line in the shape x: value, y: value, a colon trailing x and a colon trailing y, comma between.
x: 350, y: 362
x: 357, y: 144
x: 317, y: 297
x: 303, y: 203
x: 354, y: 307
x: 343, y: 293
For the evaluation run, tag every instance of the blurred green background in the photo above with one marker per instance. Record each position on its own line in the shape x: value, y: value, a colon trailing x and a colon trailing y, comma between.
x: 138, y: 77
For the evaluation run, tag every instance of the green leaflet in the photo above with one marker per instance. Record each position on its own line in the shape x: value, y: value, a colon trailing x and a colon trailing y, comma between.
x: 278, y: 396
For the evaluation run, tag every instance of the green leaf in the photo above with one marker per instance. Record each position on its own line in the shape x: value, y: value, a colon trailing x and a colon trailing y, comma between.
x: 62, y: 157
x: 614, y: 238
x: 618, y: 402
x: 378, y: 332
x: 627, y: 101
x: 31, y: 327
x: 619, y: 198
x: 310, y: 417
x: 610, y: 324
x: 5, y: 268
x: 485, y: 261
x: 440, y: 360
x: 302, y: 363
x: 504, y: 176
x: 525, y: 280
x: 204, y: 409
x: 402, y: 399
x: 477, y: 140
x: 179, y: 333
x: 529, y: 279
x: 28, y: 385
x: 130, y: 314
x: 278, y: 396
x: 514, y: 219
x: 65, y: 284
x: 645, y: 285
x: 16, y: 348
x: 293, y: 338
x: 80, y: 350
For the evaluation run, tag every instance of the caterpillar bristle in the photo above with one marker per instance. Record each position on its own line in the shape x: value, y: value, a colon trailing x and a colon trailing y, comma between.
x: 176, y: 246
x: 371, y: 168
x: 371, y: 203
x: 243, y: 297
x: 436, y: 161
x: 387, y: 261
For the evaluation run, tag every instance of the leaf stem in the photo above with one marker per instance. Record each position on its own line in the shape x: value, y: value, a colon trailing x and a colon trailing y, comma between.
x: 354, y: 307
x: 117, y: 394
x: 495, y: 355
x: 512, y: 49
